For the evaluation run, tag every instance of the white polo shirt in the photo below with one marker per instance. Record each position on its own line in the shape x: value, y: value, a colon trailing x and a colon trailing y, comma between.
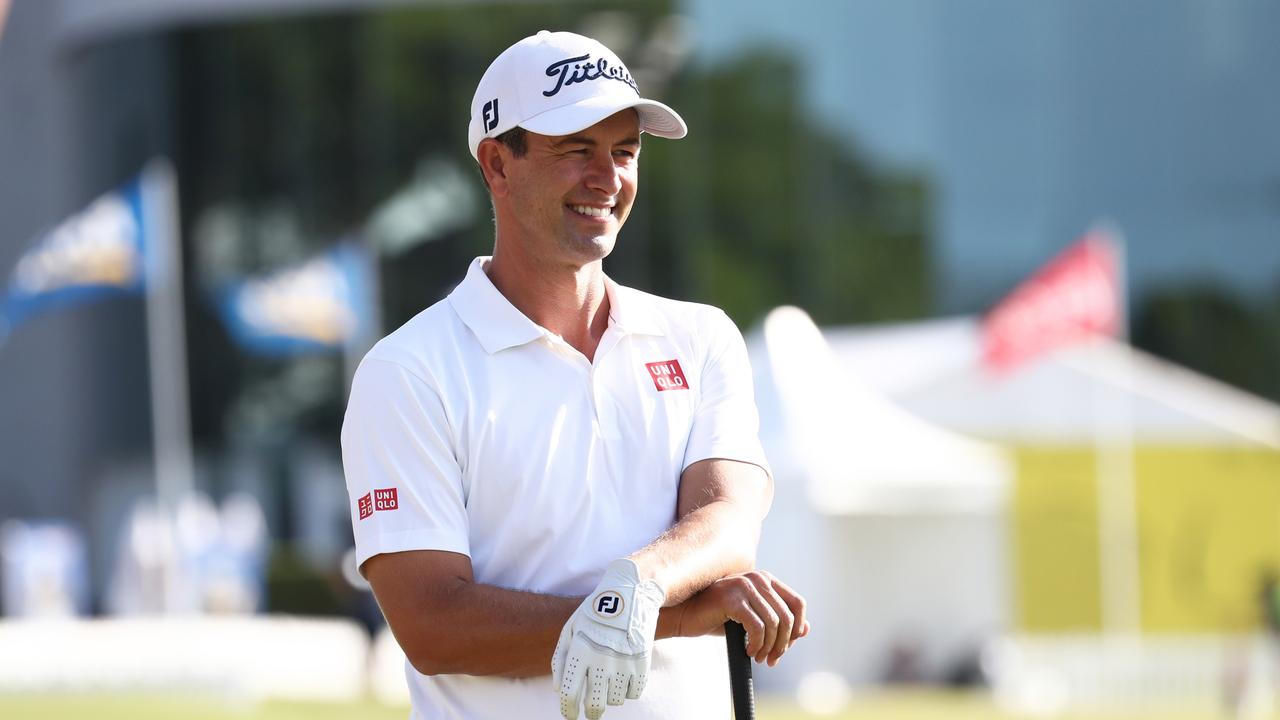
x: 474, y: 430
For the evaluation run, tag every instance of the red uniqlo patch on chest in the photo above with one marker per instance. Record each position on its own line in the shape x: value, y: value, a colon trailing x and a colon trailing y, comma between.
x: 366, y: 506
x: 385, y: 499
x: 667, y: 375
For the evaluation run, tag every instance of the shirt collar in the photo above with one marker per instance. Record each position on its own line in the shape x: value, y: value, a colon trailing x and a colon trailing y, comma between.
x: 494, y: 320
x: 499, y: 325
x: 631, y: 311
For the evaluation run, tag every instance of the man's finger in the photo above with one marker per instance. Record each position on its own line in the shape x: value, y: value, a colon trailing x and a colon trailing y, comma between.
x: 618, y: 687
x: 800, y: 625
x: 636, y: 686
x: 597, y: 691
x: 767, y: 635
x: 747, y: 614
x: 782, y: 635
x: 571, y: 684
x: 557, y: 657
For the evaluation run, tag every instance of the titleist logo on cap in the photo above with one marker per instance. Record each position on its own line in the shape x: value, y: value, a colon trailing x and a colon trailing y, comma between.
x: 558, y: 84
x: 581, y: 69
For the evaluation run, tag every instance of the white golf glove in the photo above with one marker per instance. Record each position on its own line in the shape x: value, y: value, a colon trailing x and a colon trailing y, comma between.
x: 606, y: 646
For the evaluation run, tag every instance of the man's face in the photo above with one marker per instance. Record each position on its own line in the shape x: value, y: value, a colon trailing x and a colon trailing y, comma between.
x: 571, y: 194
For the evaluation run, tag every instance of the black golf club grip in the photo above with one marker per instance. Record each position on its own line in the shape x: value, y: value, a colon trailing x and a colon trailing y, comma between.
x: 744, y: 695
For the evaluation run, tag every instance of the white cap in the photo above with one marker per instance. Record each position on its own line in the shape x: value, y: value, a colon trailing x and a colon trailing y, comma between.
x: 557, y: 83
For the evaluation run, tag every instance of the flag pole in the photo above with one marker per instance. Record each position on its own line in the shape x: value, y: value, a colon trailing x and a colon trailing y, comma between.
x: 1118, y: 553
x: 167, y: 355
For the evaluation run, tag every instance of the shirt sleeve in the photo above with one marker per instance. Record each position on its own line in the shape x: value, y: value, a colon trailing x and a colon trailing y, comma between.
x: 726, y: 423
x: 403, y: 478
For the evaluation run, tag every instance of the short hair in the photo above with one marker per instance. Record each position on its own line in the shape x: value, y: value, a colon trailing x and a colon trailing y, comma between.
x: 517, y: 141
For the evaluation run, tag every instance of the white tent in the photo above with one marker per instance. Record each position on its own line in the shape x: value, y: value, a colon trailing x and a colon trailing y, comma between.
x: 892, y: 527
x: 862, y: 453
x: 932, y: 369
x: 1115, y: 399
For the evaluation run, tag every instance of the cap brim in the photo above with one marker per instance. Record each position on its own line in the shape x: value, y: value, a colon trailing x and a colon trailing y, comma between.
x: 655, y: 118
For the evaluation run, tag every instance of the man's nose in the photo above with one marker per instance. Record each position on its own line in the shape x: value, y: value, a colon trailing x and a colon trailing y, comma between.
x: 603, y: 175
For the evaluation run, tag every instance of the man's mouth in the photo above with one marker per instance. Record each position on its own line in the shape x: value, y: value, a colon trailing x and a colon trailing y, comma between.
x: 589, y: 211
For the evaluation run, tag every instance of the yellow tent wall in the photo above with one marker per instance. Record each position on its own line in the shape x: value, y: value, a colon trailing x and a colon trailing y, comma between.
x: 1208, y: 527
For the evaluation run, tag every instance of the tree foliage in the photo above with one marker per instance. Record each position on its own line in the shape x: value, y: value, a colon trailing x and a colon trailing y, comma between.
x: 765, y: 206
x: 1209, y: 329
x: 303, y: 125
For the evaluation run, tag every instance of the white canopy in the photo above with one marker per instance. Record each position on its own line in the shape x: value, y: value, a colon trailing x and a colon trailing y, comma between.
x: 932, y: 369
x: 861, y: 453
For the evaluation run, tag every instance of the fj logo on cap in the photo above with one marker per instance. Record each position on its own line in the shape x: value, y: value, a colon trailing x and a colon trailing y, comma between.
x: 608, y: 604
x: 581, y: 69
x: 490, y: 115
x: 667, y: 375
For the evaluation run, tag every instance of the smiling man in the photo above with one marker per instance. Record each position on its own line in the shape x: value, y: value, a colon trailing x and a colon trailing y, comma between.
x: 556, y: 481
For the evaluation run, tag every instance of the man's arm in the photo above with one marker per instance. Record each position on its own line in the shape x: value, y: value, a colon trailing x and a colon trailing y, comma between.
x: 722, y: 504
x: 720, y: 507
x: 448, y: 623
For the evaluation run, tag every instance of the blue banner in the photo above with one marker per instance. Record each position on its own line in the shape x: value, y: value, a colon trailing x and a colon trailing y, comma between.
x: 99, y: 251
x: 322, y: 304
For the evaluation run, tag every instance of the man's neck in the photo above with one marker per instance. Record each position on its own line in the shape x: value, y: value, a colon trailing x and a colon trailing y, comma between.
x: 569, y: 301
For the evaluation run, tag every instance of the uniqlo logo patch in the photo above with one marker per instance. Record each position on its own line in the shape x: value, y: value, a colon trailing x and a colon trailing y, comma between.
x: 380, y: 500
x: 385, y: 499
x: 667, y: 375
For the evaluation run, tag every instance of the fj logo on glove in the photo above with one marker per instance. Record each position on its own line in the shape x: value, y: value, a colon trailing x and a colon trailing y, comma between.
x: 605, y: 646
x: 667, y: 375
x: 608, y: 604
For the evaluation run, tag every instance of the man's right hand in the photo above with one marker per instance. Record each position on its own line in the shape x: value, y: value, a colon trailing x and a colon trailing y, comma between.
x: 772, y: 613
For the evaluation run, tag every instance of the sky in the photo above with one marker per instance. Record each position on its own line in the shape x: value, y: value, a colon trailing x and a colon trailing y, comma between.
x: 1033, y: 121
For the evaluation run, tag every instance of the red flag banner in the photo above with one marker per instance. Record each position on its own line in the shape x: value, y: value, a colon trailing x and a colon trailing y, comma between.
x: 1075, y: 297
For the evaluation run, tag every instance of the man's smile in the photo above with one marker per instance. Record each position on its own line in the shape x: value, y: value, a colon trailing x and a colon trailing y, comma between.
x: 592, y: 211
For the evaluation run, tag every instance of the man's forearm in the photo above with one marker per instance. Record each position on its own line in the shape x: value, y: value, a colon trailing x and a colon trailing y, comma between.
x: 721, y: 506
x: 711, y: 542
x: 453, y: 625
x: 486, y: 630
x: 449, y: 624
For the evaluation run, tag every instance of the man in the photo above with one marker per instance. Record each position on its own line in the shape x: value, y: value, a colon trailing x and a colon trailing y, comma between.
x: 549, y: 471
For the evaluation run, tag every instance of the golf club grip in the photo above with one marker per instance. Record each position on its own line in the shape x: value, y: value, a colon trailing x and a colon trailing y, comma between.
x: 744, y: 696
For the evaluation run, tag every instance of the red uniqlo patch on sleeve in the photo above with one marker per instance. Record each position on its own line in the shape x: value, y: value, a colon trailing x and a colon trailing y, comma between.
x: 667, y: 375
x: 366, y: 506
x: 385, y: 499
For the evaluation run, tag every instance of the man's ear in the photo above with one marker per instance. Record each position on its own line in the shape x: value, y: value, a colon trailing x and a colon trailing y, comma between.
x: 493, y: 163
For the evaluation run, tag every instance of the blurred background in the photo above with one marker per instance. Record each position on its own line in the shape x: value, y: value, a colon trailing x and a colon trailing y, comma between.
x: 210, y: 209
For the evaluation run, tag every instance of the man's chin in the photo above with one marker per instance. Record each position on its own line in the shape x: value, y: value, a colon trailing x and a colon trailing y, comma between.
x: 591, y: 249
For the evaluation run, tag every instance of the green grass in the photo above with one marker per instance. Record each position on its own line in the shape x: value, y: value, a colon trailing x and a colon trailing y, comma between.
x: 129, y: 707
x: 911, y: 705
x: 946, y: 705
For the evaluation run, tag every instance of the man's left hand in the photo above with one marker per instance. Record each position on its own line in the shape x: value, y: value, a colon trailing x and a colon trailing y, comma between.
x: 606, y: 646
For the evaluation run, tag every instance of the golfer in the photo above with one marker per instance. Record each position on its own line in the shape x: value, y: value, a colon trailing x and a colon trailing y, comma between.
x: 556, y: 482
